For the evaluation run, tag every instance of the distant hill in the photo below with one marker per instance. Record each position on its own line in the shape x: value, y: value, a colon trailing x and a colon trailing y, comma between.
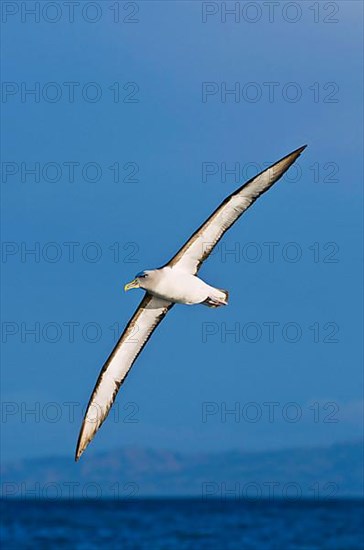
x: 317, y: 472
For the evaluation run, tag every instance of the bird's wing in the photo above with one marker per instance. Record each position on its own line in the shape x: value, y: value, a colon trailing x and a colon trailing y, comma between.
x: 195, y: 251
x: 149, y: 314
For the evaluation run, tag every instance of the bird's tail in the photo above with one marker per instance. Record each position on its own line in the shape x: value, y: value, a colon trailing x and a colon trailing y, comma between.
x: 217, y: 299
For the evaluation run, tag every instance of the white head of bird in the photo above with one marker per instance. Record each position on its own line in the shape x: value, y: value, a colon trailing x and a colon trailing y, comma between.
x: 143, y: 279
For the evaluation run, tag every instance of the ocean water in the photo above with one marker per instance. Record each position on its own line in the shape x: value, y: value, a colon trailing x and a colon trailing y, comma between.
x: 182, y: 524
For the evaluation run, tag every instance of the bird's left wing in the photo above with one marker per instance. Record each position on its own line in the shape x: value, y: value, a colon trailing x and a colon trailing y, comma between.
x: 190, y: 257
x: 147, y: 317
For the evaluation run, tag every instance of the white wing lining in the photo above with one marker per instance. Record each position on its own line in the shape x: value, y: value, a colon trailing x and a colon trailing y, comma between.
x: 147, y: 317
x: 195, y: 251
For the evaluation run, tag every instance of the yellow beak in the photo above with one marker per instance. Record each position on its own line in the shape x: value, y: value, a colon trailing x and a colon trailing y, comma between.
x: 132, y: 284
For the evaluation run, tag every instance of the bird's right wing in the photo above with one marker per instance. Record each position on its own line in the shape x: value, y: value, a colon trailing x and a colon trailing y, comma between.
x: 147, y: 317
x: 195, y: 251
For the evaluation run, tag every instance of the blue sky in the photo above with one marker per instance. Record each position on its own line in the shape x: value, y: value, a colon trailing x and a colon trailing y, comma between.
x: 163, y: 140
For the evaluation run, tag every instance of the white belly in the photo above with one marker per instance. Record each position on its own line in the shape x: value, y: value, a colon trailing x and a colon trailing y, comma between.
x: 177, y: 286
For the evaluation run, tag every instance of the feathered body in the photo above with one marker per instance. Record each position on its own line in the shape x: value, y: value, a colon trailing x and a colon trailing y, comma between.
x: 177, y: 286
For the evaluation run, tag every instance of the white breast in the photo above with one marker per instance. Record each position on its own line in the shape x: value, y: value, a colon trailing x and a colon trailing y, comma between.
x: 177, y: 286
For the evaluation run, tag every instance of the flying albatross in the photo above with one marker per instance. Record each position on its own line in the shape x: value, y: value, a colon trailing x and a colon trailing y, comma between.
x: 175, y: 282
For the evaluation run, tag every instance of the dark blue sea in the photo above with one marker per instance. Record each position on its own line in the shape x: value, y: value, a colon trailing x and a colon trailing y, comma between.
x: 182, y: 524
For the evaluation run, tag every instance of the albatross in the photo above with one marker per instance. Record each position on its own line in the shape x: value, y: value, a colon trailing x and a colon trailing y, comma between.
x: 174, y: 283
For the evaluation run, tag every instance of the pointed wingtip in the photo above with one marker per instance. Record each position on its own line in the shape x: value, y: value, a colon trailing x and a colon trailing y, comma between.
x: 79, y: 451
x: 292, y: 157
x: 78, y: 454
x: 81, y: 445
